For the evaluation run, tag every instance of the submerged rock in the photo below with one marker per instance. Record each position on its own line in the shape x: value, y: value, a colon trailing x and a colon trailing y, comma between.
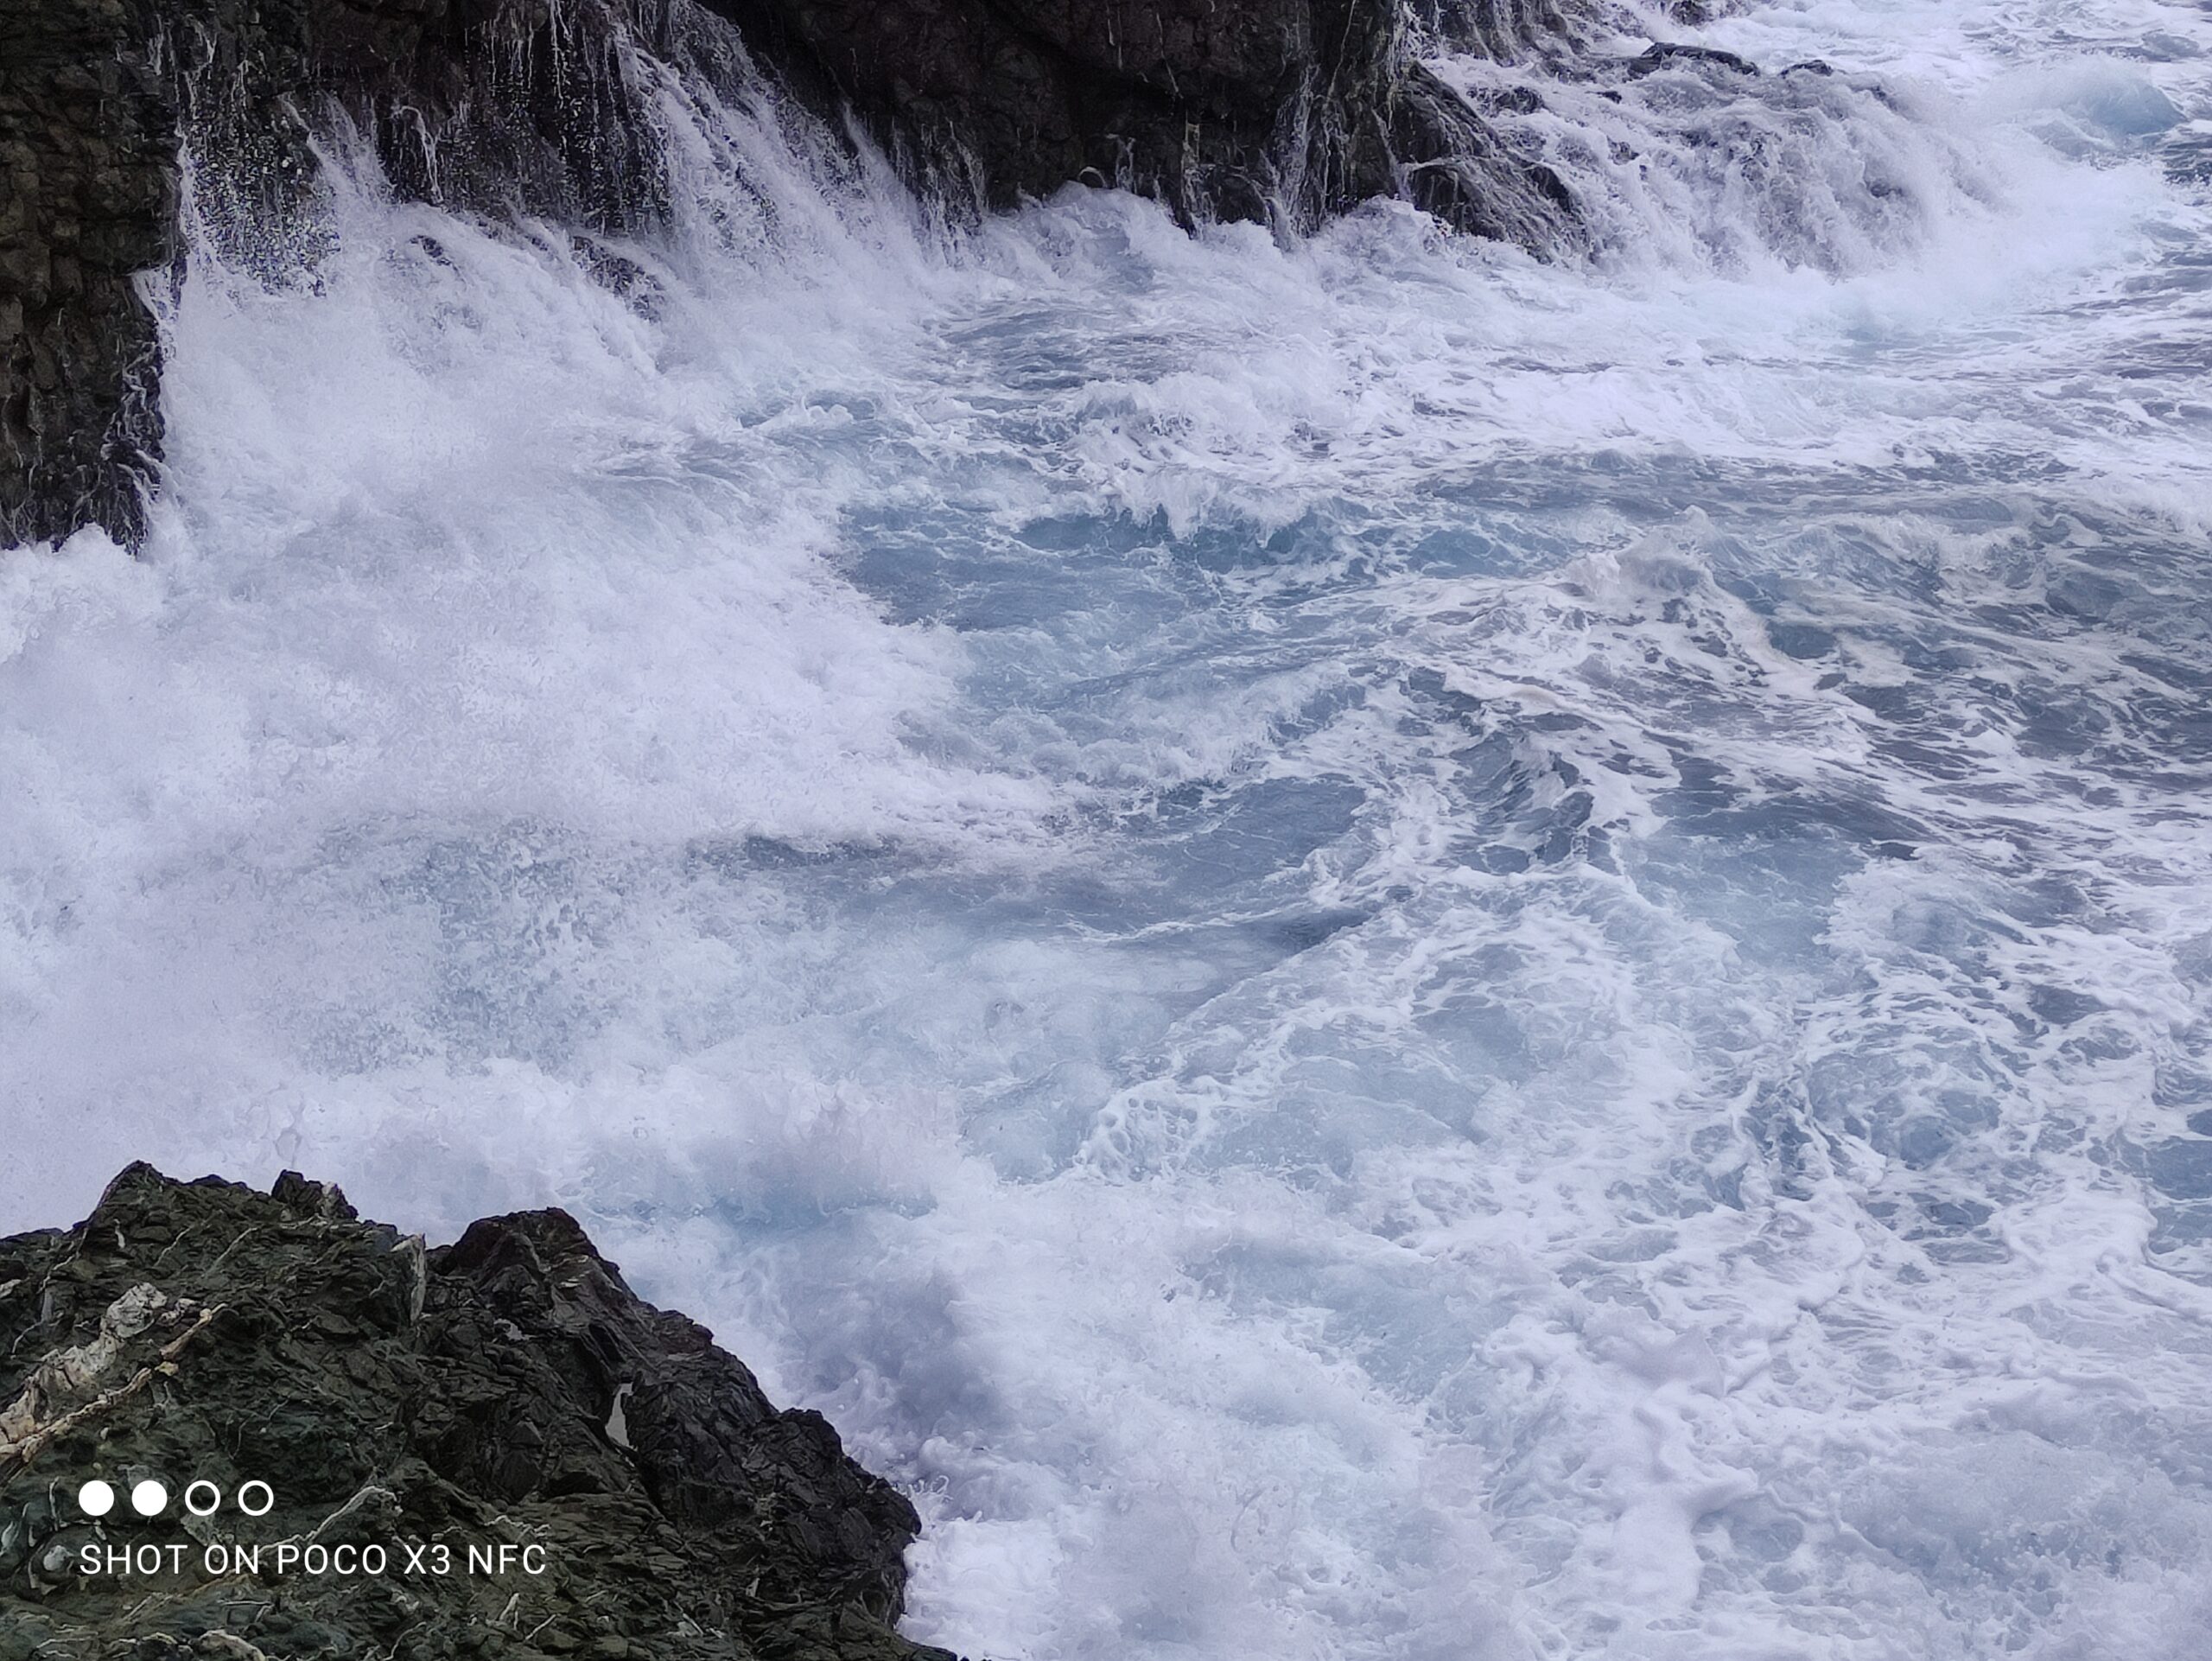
x: 490, y: 1448
x: 1673, y: 55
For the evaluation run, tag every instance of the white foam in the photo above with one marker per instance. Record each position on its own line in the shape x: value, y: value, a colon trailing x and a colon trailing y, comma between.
x: 1371, y: 950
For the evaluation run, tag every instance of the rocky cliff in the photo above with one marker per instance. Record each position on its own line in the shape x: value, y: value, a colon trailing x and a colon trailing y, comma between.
x: 492, y: 1448
x: 1219, y: 107
x: 1241, y: 109
x: 87, y: 198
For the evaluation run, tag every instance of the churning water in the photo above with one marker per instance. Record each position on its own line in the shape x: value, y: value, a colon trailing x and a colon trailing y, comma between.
x: 1366, y: 948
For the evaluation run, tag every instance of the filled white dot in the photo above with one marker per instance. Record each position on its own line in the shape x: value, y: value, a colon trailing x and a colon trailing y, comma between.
x: 149, y: 1497
x: 96, y: 1499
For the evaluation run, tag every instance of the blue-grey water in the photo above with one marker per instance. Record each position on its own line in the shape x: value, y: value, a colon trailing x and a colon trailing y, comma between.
x: 1367, y: 948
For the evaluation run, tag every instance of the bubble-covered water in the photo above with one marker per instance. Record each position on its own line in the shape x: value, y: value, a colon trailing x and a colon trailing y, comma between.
x: 1368, y: 948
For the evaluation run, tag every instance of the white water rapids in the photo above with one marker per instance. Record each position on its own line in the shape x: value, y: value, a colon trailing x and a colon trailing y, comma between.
x: 1365, y: 948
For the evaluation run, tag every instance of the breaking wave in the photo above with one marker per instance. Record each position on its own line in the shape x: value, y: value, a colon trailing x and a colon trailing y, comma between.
x: 1368, y: 947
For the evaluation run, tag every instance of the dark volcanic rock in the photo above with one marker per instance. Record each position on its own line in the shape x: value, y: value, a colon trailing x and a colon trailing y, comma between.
x: 1670, y: 54
x: 1218, y: 107
x: 550, y: 1467
x: 87, y: 197
x: 504, y: 107
x: 1454, y: 166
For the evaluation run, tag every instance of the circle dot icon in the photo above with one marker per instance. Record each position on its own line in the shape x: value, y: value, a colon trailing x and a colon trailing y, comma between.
x: 96, y: 1499
x: 203, y: 1498
x: 150, y: 1499
x: 267, y: 1499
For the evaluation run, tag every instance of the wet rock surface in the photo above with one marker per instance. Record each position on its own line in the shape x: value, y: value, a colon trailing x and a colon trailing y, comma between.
x: 87, y: 200
x: 1221, y: 107
x: 548, y: 1466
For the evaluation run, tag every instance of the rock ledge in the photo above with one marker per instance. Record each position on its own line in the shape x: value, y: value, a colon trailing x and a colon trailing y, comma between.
x: 550, y: 1467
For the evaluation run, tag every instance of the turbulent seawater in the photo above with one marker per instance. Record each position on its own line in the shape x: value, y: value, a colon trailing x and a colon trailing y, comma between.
x: 1368, y: 948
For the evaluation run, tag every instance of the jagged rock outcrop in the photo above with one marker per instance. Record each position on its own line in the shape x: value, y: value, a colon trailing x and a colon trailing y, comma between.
x: 626, y: 1488
x: 1239, y: 109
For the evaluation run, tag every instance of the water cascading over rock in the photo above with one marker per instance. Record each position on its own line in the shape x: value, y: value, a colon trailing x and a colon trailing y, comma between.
x: 1289, y: 109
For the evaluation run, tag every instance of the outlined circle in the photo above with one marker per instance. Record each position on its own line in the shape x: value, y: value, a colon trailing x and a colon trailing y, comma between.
x: 214, y: 1503
x: 96, y: 1498
x: 267, y: 1504
x: 149, y: 1497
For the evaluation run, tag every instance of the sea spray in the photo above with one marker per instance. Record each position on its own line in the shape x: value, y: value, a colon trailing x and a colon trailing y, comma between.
x: 1370, y: 948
